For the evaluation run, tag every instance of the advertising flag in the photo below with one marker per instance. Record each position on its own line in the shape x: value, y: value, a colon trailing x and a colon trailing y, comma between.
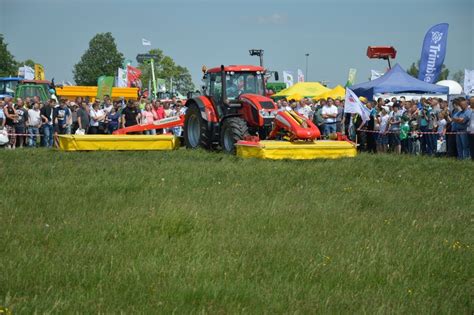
x: 121, y: 78
x: 300, y: 76
x: 351, y: 77
x: 161, y: 85
x: 146, y: 42
x: 39, y: 72
x: 133, y: 77
x: 468, y: 81
x: 375, y: 74
x: 288, y: 78
x: 26, y: 72
x: 433, y: 52
x: 353, y: 105
x: 104, y: 86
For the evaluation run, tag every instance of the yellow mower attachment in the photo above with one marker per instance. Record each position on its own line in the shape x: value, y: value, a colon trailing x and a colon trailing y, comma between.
x: 297, y: 150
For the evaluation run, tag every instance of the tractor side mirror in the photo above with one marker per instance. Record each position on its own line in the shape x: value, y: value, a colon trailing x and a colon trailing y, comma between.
x: 276, y: 76
x: 189, y: 95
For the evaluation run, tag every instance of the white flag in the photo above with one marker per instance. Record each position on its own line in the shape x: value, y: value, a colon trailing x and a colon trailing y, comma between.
x: 121, y: 77
x: 26, y: 72
x: 146, y: 42
x: 468, y: 81
x: 288, y: 78
x: 375, y: 74
x: 353, y: 105
x: 300, y: 76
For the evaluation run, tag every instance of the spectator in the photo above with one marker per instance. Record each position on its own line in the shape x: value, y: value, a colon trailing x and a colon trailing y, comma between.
x: 158, y: 111
x: 371, y: 139
x: 75, y: 125
x: 2, y: 114
x: 97, y: 120
x: 34, y: 123
x: 83, y: 118
x: 107, y: 105
x: 47, y: 117
x: 460, y: 123
x: 340, y: 115
x: 62, y: 119
x: 10, y: 123
x: 394, y: 128
x: 304, y: 109
x: 426, y: 126
x: 329, y: 114
x: 130, y: 115
x: 383, y: 121
x: 20, y: 128
x: 113, y: 119
x: 147, y: 118
x: 471, y: 128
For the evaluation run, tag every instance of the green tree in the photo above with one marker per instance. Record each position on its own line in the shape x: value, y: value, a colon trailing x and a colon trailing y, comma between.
x: 414, y: 69
x: 101, y: 58
x: 167, y: 69
x: 458, y: 76
x: 27, y: 62
x: 8, y: 65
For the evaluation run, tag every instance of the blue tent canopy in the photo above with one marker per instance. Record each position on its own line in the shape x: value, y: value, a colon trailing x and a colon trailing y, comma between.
x: 397, y: 81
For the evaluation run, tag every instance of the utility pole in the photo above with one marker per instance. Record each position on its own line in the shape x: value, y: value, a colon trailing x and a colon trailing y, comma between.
x: 306, y: 75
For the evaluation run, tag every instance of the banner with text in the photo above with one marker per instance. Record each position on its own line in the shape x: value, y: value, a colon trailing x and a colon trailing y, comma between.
x: 433, y: 52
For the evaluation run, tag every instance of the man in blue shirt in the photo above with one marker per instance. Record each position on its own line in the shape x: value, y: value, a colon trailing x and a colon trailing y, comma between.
x: 460, y: 122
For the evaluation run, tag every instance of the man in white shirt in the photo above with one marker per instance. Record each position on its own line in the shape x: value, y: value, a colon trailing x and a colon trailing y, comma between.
x: 329, y: 113
x: 34, y: 123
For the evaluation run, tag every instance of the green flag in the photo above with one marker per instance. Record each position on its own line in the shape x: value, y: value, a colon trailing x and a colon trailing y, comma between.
x: 104, y: 86
x: 351, y: 77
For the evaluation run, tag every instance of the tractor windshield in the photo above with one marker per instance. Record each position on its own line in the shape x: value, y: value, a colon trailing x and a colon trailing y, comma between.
x: 238, y: 83
x: 8, y: 87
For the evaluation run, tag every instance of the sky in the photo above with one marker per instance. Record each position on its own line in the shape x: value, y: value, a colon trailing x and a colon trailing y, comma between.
x: 335, y: 33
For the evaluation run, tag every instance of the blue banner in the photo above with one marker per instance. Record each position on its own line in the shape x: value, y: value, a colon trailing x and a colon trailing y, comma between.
x: 433, y: 52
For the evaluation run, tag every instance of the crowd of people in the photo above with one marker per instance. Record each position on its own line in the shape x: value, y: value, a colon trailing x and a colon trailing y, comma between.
x: 32, y: 123
x: 427, y: 126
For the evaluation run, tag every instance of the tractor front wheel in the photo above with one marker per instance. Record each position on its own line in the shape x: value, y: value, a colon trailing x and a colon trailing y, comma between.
x: 196, y: 129
x: 233, y: 129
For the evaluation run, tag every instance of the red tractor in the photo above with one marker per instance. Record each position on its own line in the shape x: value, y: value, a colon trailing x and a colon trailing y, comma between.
x: 233, y: 107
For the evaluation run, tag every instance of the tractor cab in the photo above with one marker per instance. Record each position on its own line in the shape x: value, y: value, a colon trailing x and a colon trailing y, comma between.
x: 233, y: 106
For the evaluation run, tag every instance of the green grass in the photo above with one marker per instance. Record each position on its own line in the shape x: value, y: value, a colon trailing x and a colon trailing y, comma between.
x: 199, y: 232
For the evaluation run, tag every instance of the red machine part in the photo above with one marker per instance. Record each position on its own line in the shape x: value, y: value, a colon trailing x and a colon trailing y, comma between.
x: 298, y: 127
x: 255, y: 108
x: 381, y: 52
x: 159, y: 124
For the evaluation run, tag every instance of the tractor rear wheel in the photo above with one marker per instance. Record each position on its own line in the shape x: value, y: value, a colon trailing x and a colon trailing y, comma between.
x: 196, y: 130
x: 233, y: 129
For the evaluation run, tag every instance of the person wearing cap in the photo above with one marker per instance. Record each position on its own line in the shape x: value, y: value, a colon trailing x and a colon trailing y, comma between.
x: 382, y: 139
x: 329, y: 113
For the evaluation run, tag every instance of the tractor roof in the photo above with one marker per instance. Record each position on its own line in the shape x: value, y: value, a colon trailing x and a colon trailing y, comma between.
x: 237, y: 68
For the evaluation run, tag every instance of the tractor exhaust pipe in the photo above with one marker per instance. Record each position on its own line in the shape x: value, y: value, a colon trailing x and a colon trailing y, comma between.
x: 224, y: 85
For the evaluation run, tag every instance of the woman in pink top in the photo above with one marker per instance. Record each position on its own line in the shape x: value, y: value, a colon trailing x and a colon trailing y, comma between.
x: 147, y: 118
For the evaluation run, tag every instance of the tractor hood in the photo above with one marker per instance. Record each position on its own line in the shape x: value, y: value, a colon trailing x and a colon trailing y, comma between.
x: 259, y: 101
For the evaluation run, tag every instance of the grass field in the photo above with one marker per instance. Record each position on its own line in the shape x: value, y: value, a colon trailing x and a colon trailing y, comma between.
x: 198, y: 232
